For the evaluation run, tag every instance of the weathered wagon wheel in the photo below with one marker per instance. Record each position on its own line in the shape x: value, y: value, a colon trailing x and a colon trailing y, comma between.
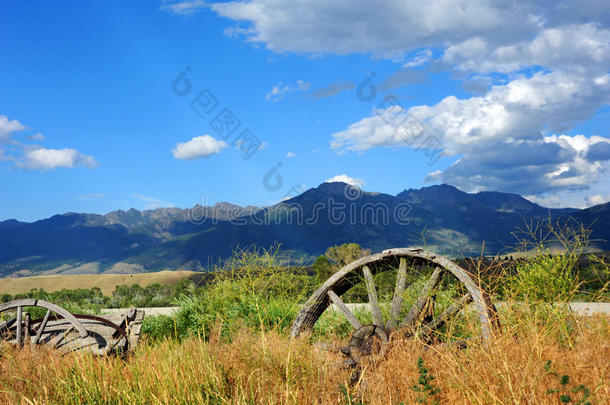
x: 446, y: 291
x: 22, y: 329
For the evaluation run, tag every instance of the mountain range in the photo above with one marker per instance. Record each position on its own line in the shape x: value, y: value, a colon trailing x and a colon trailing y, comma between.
x: 442, y: 217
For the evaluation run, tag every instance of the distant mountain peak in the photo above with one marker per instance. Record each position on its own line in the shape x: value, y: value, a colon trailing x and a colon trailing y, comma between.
x: 336, y: 187
x: 435, y: 188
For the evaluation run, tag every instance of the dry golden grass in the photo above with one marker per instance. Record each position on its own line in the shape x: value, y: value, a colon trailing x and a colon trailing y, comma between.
x: 106, y: 282
x: 260, y: 367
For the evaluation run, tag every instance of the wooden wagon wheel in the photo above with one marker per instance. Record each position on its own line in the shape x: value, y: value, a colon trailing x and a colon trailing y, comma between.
x: 22, y: 329
x: 418, y: 317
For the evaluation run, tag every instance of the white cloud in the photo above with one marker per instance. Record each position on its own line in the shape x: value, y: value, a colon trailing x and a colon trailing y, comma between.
x: 421, y: 58
x: 388, y: 28
x: 8, y: 127
x: 198, y: 147
x: 367, y: 133
x: 152, y: 203
x: 35, y: 156
x: 551, y: 201
x: 290, y: 155
x: 47, y: 159
x: 477, y: 85
x: 597, y: 199
x: 279, y: 90
x: 520, y: 109
x: 344, y: 178
x: 500, y: 137
x: 36, y: 137
x: 581, y: 47
x: 483, y: 35
x: 183, y: 7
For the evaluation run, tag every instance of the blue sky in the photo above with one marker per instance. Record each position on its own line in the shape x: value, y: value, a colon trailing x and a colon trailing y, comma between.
x: 510, y: 98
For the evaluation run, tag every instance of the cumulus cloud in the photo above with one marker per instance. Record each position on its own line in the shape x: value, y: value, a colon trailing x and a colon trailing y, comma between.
x: 47, y: 159
x: 472, y: 29
x: 36, y: 157
x: 389, y: 28
x: 477, y: 85
x: 583, y: 47
x: 344, y: 178
x: 528, y: 167
x: 290, y: 155
x: 279, y: 90
x: 198, y: 147
x: 500, y: 138
x: 597, y: 199
x: 520, y: 109
x: 7, y: 127
x: 599, y: 151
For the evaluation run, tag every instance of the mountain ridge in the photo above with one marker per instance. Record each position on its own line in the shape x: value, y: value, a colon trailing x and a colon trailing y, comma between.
x: 443, y: 217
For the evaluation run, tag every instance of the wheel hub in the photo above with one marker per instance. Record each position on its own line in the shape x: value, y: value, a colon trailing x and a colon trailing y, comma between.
x: 367, y: 341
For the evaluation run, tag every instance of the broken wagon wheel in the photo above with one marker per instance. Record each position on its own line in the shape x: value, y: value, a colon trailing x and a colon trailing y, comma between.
x: 113, y: 339
x: 21, y: 329
x: 425, y: 317
x: 61, y: 330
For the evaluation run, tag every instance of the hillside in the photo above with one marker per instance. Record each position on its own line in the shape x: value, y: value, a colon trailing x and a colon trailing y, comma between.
x: 105, y: 282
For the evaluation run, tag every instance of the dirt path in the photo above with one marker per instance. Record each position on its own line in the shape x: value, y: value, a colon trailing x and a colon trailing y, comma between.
x: 580, y: 308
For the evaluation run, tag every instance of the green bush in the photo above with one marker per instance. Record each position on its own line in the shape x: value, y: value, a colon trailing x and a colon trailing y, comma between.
x: 548, y: 277
x: 545, y: 278
x: 252, y: 290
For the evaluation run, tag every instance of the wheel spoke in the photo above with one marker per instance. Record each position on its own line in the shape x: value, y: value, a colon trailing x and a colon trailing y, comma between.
x: 351, y: 318
x: 373, y: 301
x: 41, y: 327
x: 61, y: 337
x: 19, y: 332
x: 401, y: 280
x: 423, y: 297
x: 448, y: 313
x: 26, y: 327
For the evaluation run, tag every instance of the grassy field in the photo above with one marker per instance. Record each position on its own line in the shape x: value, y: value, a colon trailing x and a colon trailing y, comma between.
x: 533, y: 361
x: 229, y: 344
x: 106, y: 282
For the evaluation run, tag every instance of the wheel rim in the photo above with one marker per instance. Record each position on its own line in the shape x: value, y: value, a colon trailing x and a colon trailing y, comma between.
x: 21, y: 325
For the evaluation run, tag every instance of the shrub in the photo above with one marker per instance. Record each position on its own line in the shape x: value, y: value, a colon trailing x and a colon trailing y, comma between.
x: 252, y: 290
x: 545, y: 278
